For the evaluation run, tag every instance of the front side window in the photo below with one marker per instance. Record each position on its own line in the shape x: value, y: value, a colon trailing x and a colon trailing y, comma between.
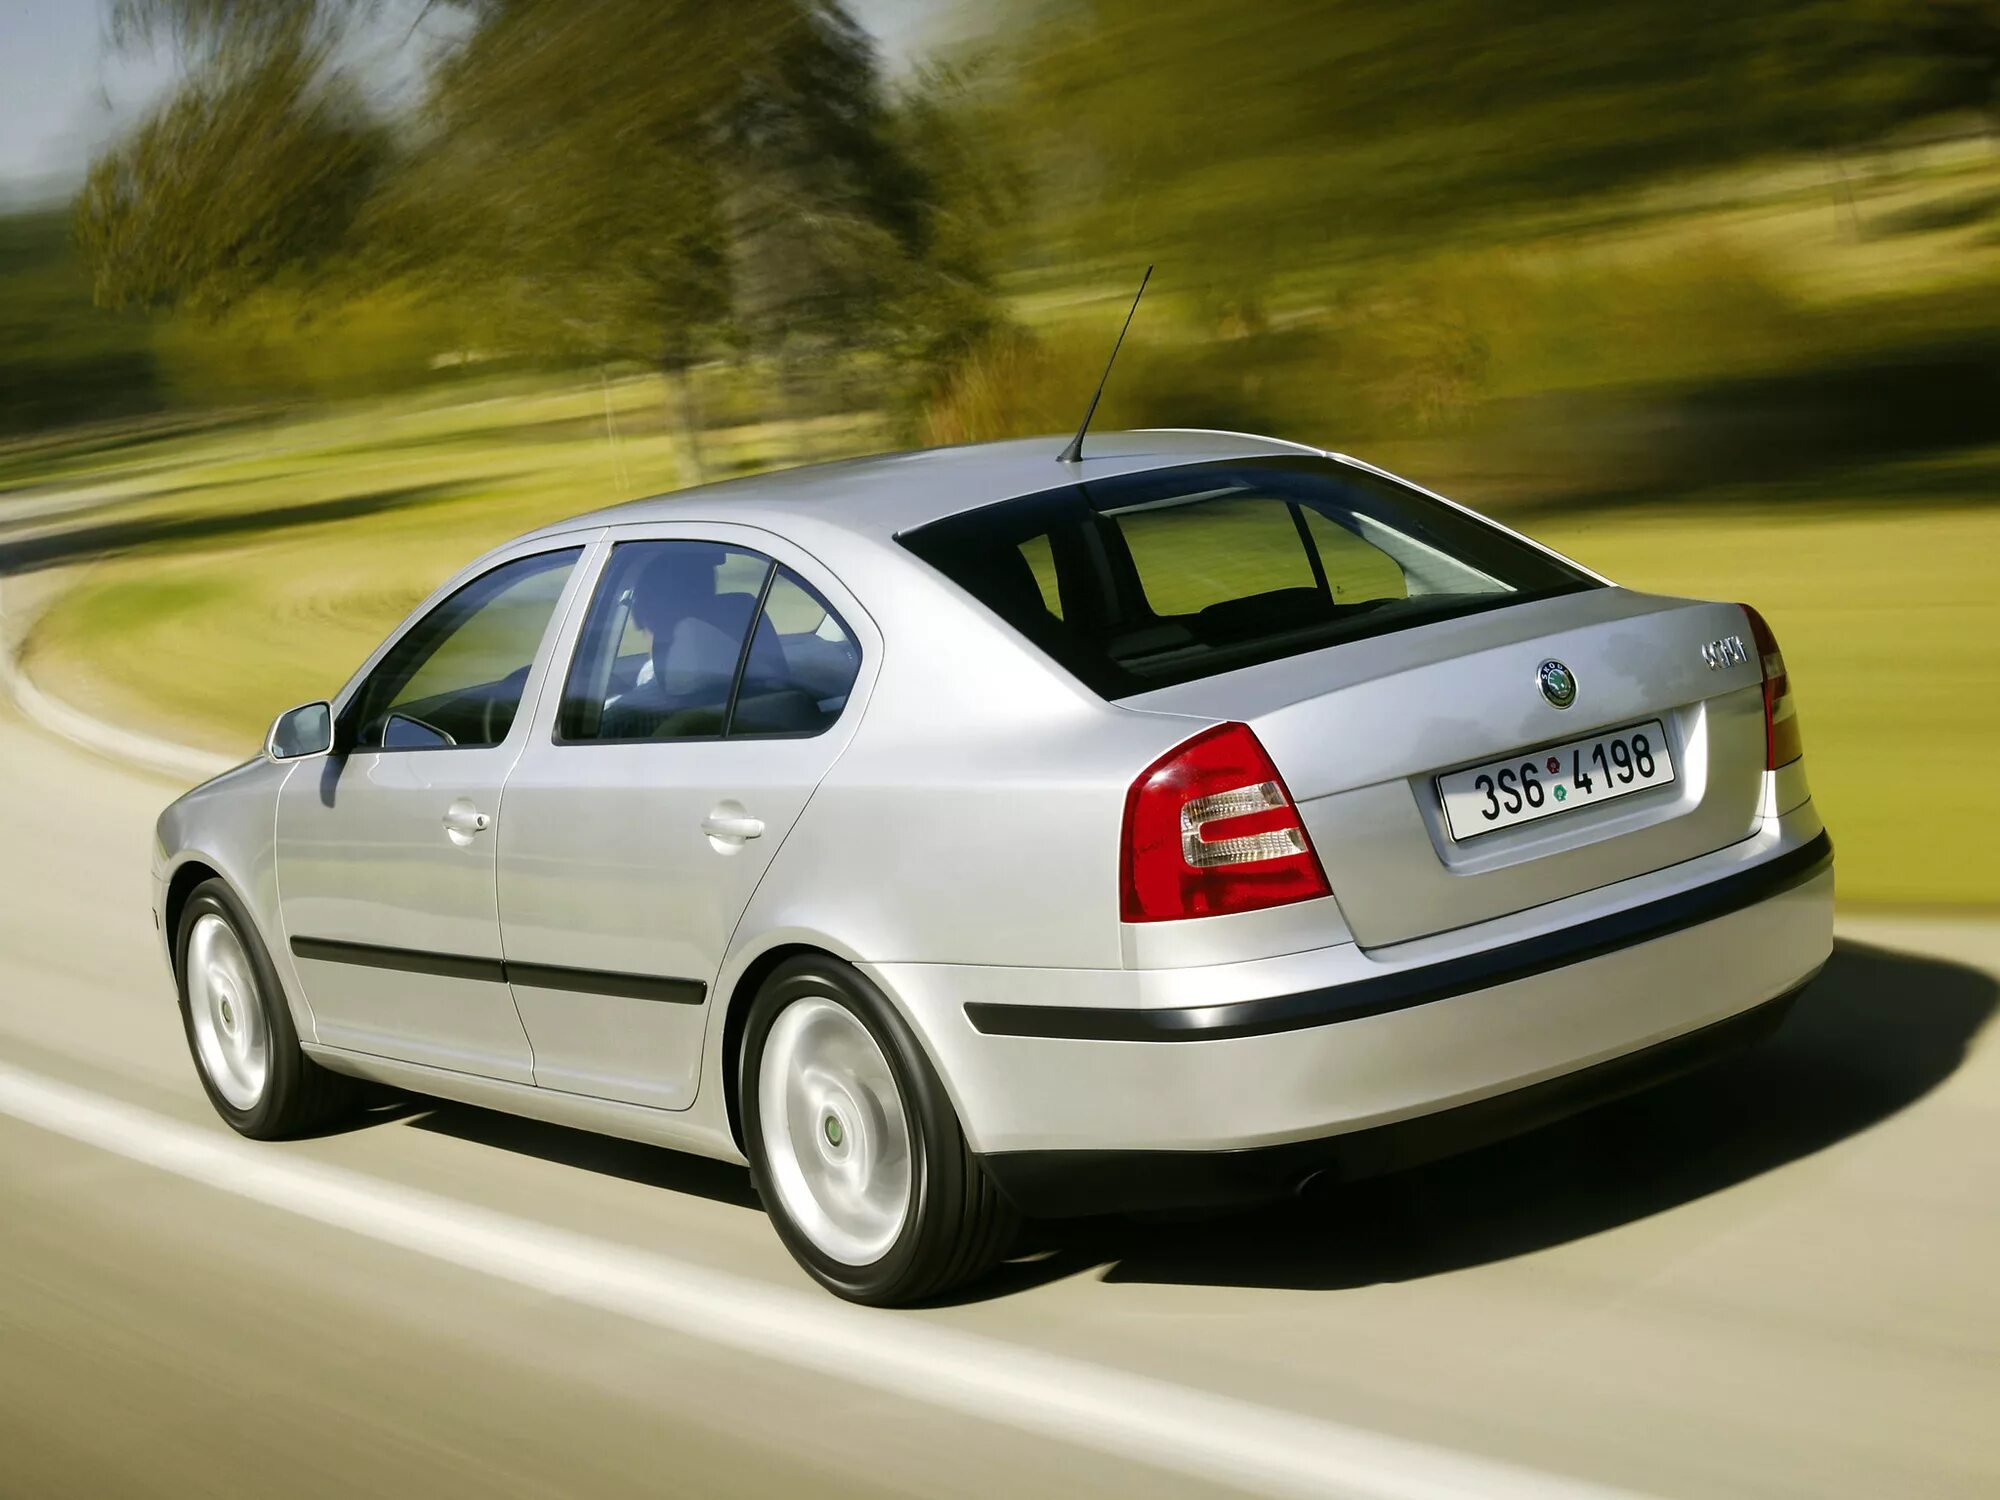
x: 1147, y: 580
x: 455, y: 677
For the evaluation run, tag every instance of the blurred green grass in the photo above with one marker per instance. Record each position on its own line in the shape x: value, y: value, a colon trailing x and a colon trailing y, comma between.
x: 234, y: 602
x: 1889, y: 616
x: 242, y: 570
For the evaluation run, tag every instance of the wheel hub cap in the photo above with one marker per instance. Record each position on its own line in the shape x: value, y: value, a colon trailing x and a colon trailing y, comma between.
x: 834, y: 1131
x: 231, y: 1041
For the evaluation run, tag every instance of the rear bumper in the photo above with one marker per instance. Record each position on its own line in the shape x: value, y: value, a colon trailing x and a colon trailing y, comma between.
x: 1423, y: 984
x: 1066, y: 1184
x: 1097, y: 1090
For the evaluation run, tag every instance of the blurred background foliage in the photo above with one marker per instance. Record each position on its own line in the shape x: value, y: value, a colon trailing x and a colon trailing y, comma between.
x: 1476, y: 219
x: 1709, y: 291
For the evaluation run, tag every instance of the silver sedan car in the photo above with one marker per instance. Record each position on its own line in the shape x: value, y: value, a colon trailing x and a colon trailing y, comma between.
x: 971, y: 834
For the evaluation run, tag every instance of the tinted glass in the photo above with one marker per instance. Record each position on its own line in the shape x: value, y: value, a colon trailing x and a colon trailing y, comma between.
x: 1152, y: 579
x: 1182, y: 574
x: 801, y: 665
x: 662, y: 642
x: 1042, y: 560
x: 1356, y: 570
x: 455, y: 677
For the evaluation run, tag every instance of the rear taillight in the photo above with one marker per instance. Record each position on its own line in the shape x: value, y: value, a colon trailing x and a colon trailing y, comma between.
x: 1209, y: 829
x: 1782, y: 744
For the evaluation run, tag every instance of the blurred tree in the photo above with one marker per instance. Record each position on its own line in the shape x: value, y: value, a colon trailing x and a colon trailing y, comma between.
x: 550, y: 181
x: 225, y: 34
x: 1235, y: 141
x: 1961, y: 38
x: 973, y: 186
x: 256, y: 168
x: 60, y: 359
x: 617, y: 180
x: 1847, y: 71
x: 629, y: 179
x: 822, y: 207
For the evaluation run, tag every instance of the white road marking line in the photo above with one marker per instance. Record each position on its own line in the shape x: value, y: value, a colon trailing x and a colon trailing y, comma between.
x: 1131, y: 1416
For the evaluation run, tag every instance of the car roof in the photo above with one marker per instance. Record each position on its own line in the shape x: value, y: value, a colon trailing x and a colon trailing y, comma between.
x: 887, y: 493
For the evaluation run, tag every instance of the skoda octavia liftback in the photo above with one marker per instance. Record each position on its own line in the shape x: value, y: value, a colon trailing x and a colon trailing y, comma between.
x: 965, y: 835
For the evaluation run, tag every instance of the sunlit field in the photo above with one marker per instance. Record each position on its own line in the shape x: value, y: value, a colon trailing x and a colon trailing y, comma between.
x: 1888, y: 617
x: 259, y: 564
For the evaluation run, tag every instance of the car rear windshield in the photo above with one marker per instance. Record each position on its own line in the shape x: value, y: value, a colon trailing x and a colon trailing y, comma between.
x: 1153, y: 579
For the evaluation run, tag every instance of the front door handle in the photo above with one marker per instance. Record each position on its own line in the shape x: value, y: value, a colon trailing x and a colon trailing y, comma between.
x: 462, y: 818
x: 732, y: 825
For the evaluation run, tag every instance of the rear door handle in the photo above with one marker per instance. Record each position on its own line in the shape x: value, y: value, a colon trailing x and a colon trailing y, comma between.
x: 461, y: 819
x: 727, y: 825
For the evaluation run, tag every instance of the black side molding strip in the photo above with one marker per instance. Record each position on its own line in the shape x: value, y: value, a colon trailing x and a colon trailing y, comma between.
x: 1412, y: 987
x: 402, y: 960
x: 605, y: 982
x: 499, y: 971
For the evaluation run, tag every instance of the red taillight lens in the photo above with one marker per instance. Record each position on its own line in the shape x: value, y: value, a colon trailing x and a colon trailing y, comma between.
x: 1210, y: 828
x: 1782, y: 743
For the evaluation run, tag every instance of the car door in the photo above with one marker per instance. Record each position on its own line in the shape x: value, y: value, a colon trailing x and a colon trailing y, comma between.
x: 385, y: 848
x: 712, y: 684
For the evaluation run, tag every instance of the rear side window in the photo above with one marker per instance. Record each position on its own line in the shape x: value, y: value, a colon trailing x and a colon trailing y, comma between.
x: 659, y: 649
x: 801, y: 664
x: 1153, y: 579
x: 690, y: 640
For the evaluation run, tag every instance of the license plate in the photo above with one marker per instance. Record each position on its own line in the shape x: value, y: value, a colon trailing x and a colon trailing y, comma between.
x: 1543, y: 783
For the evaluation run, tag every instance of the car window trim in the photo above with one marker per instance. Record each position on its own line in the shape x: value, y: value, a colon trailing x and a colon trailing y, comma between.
x: 1320, y: 579
x: 749, y: 643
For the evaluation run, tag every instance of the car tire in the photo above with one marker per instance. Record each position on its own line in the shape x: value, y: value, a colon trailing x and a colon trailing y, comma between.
x: 854, y: 1146
x: 239, y: 1028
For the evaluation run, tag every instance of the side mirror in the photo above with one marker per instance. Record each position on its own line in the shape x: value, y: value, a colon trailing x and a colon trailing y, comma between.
x: 299, y: 732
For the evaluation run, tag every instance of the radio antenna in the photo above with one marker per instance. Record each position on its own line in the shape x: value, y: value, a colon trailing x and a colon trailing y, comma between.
x: 1074, y: 452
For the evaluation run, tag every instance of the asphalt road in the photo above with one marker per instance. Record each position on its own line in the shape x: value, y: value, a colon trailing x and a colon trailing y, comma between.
x: 1774, y: 1279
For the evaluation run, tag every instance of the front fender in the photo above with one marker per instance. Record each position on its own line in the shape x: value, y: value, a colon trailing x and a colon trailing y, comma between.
x: 227, y: 826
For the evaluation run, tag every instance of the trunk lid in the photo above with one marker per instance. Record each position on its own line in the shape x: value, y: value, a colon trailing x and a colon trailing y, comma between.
x: 1360, y: 732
